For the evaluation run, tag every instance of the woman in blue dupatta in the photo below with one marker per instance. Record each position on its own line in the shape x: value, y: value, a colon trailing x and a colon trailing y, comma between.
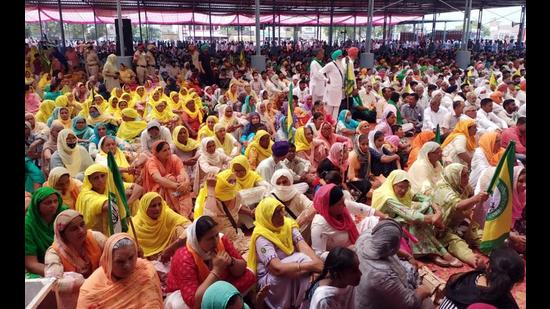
x: 346, y: 124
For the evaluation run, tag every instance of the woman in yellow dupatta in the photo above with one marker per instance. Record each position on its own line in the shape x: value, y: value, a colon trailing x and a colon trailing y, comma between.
x: 394, y: 198
x: 117, y: 92
x: 163, y: 114
x: 130, y: 127
x: 45, y: 111
x: 258, y: 151
x: 45, y: 79
x: 225, y: 190
x: 246, y: 178
x: 64, y: 117
x: 95, y: 116
x: 207, y: 128
x: 159, y: 229
x: 273, y: 230
x: 226, y: 141
x: 232, y: 92
x: 113, y: 106
x: 192, y: 113
x: 175, y: 102
x: 156, y: 96
x: 92, y: 202
x: 111, y: 286
x: 139, y: 96
x: 129, y: 100
x: 212, y: 200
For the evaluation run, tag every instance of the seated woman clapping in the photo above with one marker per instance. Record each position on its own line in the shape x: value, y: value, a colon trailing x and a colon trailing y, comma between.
x: 73, y: 256
x: 123, y: 280
x: 205, y: 259
x: 280, y: 256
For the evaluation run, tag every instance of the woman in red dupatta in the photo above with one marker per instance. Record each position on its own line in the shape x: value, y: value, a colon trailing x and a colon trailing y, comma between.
x: 326, y: 138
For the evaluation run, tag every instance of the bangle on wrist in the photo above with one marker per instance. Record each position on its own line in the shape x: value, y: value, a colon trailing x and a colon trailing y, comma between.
x: 299, y: 268
x: 215, y: 275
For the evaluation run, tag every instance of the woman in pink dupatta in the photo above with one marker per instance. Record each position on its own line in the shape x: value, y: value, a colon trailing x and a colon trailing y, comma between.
x: 165, y: 174
x: 32, y: 100
x: 517, y: 235
x: 326, y: 138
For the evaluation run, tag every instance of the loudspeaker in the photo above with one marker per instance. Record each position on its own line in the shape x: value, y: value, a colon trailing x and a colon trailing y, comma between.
x: 128, y: 37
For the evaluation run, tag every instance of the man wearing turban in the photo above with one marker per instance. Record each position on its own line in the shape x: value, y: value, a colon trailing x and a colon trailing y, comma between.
x: 334, y: 77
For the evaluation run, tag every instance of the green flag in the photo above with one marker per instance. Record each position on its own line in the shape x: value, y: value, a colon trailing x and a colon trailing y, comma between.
x: 498, y: 221
x: 290, y: 113
x: 437, y: 135
x: 117, y: 196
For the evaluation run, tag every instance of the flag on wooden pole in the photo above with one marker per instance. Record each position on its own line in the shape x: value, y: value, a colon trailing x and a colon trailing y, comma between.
x: 117, y: 197
x: 498, y: 220
x: 290, y: 113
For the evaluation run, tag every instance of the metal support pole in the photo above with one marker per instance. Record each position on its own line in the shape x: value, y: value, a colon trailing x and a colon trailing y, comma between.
x: 521, y: 25
x: 318, y: 34
x: 120, y: 32
x: 422, y: 28
x: 210, y: 19
x: 139, y: 20
x: 466, y: 25
x: 279, y: 30
x: 238, y: 29
x: 384, y: 29
x: 433, y: 25
x: 273, y: 36
x: 193, y: 22
x: 414, y: 32
x: 61, y: 24
x: 330, y: 28
x: 84, y: 32
x: 40, y: 22
x: 147, y: 25
x: 95, y: 27
x: 444, y: 31
x: 258, y: 27
x: 479, y: 18
x: 354, y: 27
x: 369, y: 25
x: 390, y: 34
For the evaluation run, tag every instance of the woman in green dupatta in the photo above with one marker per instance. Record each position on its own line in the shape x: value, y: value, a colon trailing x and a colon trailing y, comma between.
x: 454, y: 195
x: 249, y: 105
x: 395, y: 199
x: 45, y: 205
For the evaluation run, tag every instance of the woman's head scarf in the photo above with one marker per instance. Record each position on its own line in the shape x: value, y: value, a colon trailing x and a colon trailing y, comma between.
x: 36, y: 229
x: 302, y: 144
x: 189, y: 146
x: 385, y: 191
x: 321, y: 203
x: 336, y: 156
x: 219, y: 294
x: 487, y: 143
x: 351, y: 124
x: 155, y: 235
x: 255, y: 144
x: 71, y: 157
x: 462, y: 129
x: 280, y: 236
x: 250, y: 178
x: 519, y: 197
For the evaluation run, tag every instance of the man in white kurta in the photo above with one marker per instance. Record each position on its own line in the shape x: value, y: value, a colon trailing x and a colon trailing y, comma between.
x: 334, y: 73
x: 316, y: 79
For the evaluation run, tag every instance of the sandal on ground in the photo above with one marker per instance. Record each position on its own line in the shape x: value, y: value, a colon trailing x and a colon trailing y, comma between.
x: 439, y: 261
x: 456, y: 263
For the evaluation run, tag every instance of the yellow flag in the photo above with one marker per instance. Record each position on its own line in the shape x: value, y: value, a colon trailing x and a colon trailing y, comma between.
x: 493, y: 81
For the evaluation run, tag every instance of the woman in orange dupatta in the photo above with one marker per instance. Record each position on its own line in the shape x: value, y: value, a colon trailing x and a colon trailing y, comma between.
x: 165, y: 173
x: 69, y: 187
x: 417, y: 143
x: 123, y: 280
x: 73, y: 256
x: 205, y: 259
